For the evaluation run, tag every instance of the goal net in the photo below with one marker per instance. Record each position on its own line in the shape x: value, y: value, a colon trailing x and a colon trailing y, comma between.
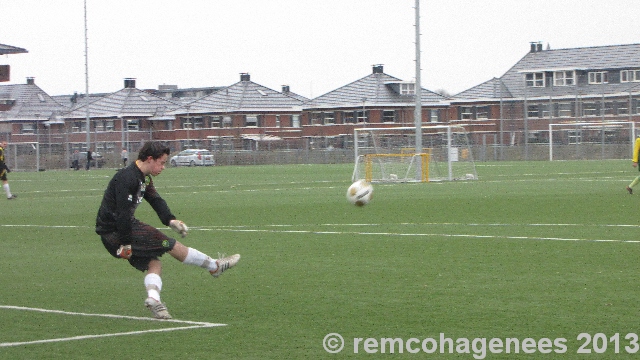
x: 591, y: 140
x: 389, y: 154
x: 22, y: 156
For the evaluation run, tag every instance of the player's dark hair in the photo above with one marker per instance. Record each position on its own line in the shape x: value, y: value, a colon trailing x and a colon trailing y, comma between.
x: 154, y: 149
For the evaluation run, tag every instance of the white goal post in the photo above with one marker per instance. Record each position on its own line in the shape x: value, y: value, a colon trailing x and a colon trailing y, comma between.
x: 593, y: 139
x: 386, y: 155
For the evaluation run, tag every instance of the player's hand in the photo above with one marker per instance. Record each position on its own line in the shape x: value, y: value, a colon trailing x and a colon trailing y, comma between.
x: 635, y: 164
x: 124, y: 252
x: 179, y: 227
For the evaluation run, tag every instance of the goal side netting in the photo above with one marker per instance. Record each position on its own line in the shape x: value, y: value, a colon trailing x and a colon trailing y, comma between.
x: 591, y: 140
x: 23, y: 156
x: 389, y: 154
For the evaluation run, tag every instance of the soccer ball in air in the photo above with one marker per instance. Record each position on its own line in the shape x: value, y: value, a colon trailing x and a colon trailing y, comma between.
x: 359, y: 193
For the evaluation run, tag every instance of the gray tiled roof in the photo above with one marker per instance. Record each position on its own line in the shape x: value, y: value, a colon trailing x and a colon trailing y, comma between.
x: 8, y: 49
x: 243, y: 96
x: 128, y: 102
x: 612, y: 58
x: 371, y: 89
x: 296, y: 96
x: 487, y: 90
x: 31, y: 103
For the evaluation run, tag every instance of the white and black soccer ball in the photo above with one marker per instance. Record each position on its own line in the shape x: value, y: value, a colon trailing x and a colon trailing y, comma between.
x: 359, y: 193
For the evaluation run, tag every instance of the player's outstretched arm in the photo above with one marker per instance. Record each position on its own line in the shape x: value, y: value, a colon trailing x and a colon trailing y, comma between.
x: 179, y: 227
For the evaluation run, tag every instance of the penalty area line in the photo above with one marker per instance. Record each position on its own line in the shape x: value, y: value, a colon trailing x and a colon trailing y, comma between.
x: 192, y: 325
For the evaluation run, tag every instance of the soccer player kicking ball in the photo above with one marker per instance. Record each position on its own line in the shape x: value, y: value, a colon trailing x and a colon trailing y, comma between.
x: 126, y: 237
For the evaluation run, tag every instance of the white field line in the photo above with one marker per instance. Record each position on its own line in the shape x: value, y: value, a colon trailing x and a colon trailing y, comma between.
x: 193, y: 325
x: 399, y: 234
x: 270, y: 228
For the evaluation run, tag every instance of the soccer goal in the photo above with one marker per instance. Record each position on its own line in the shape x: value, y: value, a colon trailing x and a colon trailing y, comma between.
x: 386, y: 155
x: 591, y: 140
x: 23, y: 156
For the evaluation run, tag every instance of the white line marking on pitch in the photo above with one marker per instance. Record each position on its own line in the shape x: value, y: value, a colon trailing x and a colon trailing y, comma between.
x: 472, y: 236
x: 193, y: 325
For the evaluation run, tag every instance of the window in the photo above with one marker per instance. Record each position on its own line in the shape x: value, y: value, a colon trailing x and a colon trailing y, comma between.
x: 295, y: 121
x: 590, y: 109
x: 563, y: 78
x: 79, y: 126
x: 278, y: 121
x: 316, y: 118
x: 362, y: 116
x: 388, y: 116
x: 466, y: 113
x: 434, y: 116
x: 533, y: 111
x: 564, y: 109
x: 104, y: 125
x: 28, y: 128
x: 329, y: 118
x: 482, y: 112
x: 609, y: 108
x: 226, y: 121
x: 535, y: 79
x: 187, y: 123
x: 598, y: 77
x: 133, y: 125
x: 623, y: 107
x: 216, y: 121
x: 251, y: 120
x: 545, y: 110
x: 348, y: 117
x: 407, y: 89
x: 197, y: 123
x: 629, y: 75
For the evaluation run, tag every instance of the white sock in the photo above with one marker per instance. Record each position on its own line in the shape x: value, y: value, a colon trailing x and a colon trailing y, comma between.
x: 6, y: 190
x: 197, y: 258
x: 153, y: 284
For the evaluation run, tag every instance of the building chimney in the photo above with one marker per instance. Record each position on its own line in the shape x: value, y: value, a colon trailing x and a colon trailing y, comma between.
x: 377, y: 69
x: 533, y: 47
x: 130, y: 83
x: 31, y: 81
x: 285, y: 89
x: 539, y: 47
x: 245, y: 77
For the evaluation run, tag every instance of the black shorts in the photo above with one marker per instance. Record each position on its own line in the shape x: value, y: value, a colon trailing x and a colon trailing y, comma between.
x: 147, y: 243
x: 3, y: 174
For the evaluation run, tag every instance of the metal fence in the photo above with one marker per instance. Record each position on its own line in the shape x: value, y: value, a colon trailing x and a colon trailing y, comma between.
x: 45, y: 156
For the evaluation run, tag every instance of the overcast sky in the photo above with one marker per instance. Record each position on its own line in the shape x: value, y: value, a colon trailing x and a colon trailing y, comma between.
x: 312, y: 46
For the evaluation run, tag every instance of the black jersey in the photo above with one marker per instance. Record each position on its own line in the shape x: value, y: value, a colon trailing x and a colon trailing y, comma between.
x: 123, y: 195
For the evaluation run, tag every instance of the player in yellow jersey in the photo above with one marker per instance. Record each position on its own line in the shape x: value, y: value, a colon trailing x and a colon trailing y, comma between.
x: 636, y: 151
x: 4, y: 169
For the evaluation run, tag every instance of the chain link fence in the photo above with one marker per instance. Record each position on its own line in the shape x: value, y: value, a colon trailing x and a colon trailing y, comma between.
x: 42, y: 156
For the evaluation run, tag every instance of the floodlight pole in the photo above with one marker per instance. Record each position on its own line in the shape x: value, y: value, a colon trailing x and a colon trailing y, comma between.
x: 86, y: 77
x: 418, y: 110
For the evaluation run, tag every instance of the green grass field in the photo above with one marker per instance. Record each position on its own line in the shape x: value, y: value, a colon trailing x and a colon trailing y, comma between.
x: 531, y: 250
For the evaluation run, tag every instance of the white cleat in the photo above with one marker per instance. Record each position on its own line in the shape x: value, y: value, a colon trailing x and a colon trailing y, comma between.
x: 158, y: 309
x: 224, y: 264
